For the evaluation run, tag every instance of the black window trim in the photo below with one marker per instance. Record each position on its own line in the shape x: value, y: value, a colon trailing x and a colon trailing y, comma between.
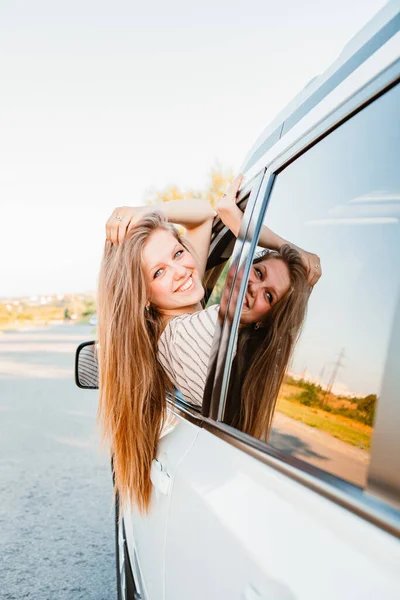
x: 330, y: 486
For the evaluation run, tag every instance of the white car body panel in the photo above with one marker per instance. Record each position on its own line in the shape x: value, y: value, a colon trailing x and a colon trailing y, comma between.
x: 260, y: 534
x: 146, y: 533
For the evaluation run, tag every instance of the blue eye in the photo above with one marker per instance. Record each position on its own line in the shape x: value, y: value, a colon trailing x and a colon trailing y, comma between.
x: 179, y: 253
x: 258, y: 272
x: 157, y: 273
x: 268, y: 295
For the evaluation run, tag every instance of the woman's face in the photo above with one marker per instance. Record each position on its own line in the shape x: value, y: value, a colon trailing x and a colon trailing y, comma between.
x: 172, y: 278
x: 268, y: 282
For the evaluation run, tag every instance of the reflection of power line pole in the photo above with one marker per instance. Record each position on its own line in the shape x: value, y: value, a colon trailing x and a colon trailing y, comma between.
x: 335, y: 371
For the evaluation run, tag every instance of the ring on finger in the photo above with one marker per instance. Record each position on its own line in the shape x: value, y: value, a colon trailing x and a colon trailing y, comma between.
x: 118, y: 217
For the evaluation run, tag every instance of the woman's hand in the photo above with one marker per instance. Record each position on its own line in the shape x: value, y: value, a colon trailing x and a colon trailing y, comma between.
x: 122, y: 220
x: 312, y: 263
x: 227, y: 210
x: 229, y: 199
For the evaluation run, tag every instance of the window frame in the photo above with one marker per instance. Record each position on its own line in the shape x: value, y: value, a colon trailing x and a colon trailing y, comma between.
x: 378, y: 503
x: 221, y: 237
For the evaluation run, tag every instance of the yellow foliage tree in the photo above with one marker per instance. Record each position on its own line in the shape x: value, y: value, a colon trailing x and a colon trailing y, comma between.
x: 219, y: 181
x: 217, y: 184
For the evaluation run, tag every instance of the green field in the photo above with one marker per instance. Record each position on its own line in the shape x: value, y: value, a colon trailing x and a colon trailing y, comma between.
x: 341, y: 427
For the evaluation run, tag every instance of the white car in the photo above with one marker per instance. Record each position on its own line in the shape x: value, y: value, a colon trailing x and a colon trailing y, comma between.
x: 312, y: 512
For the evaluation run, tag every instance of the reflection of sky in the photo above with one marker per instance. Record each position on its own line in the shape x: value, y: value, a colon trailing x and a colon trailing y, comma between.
x: 341, y: 200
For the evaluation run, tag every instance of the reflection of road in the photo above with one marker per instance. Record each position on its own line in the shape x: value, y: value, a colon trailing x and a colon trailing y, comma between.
x: 320, y: 449
x: 56, y: 519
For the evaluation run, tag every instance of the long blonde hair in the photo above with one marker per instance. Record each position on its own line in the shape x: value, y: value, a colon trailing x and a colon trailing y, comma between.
x: 263, y: 353
x: 133, y: 385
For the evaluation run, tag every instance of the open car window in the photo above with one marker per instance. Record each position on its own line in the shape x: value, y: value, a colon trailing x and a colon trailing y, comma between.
x: 221, y: 249
x: 201, y: 336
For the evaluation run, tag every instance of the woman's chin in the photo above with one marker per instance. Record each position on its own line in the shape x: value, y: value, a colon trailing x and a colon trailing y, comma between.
x: 194, y: 297
x: 201, y: 292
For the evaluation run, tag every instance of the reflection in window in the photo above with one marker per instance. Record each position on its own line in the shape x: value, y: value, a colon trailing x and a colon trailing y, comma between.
x: 341, y: 199
x: 214, y: 282
x: 272, y: 315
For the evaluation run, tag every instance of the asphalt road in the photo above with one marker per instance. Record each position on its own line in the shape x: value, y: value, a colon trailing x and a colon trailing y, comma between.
x: 56, y: 512
x: 320, y: 449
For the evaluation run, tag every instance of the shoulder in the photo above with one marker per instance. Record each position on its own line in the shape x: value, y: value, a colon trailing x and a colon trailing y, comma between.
x: 184, y: 350
x: 201, y: 322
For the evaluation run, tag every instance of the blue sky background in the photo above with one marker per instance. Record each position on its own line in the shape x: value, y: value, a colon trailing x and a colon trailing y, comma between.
x: 101, y: 101
x: 347, y: 210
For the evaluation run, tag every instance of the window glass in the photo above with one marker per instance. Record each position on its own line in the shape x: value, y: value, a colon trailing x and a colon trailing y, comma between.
x: 340, y: 200
x: 219, y: 274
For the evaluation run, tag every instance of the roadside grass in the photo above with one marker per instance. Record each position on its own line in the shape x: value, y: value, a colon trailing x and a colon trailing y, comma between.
x: 341, y: 427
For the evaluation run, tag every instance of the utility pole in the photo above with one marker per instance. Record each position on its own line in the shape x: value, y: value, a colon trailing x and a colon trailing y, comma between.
x: 335, y: 370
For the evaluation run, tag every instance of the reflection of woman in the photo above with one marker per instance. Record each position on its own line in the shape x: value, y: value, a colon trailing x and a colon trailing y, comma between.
x: 150, y: 287
x: 265, y: 341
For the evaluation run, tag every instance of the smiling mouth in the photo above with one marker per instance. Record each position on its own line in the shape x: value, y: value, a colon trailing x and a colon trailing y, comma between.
x: 186, y: 286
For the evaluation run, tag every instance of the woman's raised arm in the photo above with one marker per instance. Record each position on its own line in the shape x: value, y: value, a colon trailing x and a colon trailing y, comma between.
x: 195, y: 215
x: 231, y: 215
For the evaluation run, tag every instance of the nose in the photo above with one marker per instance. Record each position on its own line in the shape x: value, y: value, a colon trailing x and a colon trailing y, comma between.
x: 179, y: 271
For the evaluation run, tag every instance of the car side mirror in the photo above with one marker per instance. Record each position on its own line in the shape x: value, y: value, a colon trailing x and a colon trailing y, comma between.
x: 86, y: 366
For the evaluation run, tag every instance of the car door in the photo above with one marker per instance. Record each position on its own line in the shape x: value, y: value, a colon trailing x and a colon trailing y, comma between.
x: 311, y: 510
x: 146, y: 533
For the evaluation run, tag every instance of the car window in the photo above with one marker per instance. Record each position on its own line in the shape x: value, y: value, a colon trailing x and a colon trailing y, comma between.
x: 341, y: 200
x: 221, y: 249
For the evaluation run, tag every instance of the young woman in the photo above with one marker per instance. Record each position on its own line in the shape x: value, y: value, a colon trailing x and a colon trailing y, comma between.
x: 149, y: 306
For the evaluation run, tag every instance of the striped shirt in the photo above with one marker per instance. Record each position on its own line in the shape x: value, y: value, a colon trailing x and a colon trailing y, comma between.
x: 184, y: 350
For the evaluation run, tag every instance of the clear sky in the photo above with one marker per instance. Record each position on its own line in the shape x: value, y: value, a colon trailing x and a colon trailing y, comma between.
x: 347, y: 210
x: 101, y: 101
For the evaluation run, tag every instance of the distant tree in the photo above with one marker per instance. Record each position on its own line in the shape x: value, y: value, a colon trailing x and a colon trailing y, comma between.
x: 310, y: 396
x: 89, y: 308
x: 219, y: 180
x: 367, y: 406
x: 171, y: 192
x: 216, y: 185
